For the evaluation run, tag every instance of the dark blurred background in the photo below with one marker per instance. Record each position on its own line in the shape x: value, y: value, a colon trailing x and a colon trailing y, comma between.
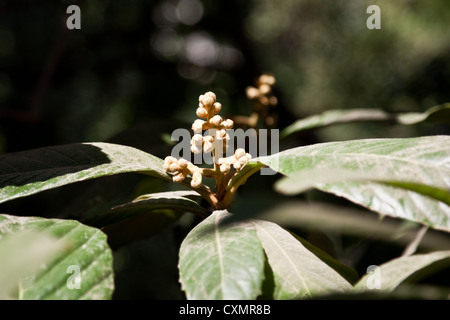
x: 135, y: 61
x: 135, y: 69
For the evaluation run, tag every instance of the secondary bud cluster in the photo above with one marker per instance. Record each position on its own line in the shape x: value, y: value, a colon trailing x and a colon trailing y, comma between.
x: 237, y: 160
x: 180, y: 168
x: 262, y: 93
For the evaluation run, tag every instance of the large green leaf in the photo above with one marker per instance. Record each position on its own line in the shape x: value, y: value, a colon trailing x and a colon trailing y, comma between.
x: 80, y: 268
x: 393, y: 273
x: 29, y: 172
x: 221, y: 262
x: 406, y: 178
x: 298, y: 273
x: 172, y: 200
x: 330, y: 117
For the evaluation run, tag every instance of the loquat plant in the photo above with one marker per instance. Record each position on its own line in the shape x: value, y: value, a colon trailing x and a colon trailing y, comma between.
x: 226, y: 255
x: 216, y: 141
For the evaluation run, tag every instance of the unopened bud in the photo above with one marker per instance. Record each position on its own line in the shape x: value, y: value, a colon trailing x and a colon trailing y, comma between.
x: 207, y: 147
x: 243, y: 160
x: 196, y: 179
x: 225, y: 167
x: 222, y: 134
x: 216, y: 120
x: 239, y: 153
x: 237, y: 165
x: 197, y: 139
x: 202, y: 112
x: 197, y: 126
x: 174, y: 167
x: 195, y: 149
x: 227, y: 124
x: 252, y: 92
x: 217, y: 106
x: 182, y: 163
x: 178, y: 178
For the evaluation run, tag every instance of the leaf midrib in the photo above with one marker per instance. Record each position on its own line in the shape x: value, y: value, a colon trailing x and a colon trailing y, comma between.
x: 219, y: 252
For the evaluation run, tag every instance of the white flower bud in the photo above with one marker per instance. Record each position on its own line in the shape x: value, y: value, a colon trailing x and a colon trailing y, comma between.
x: 202, y: 112
x: 227, y: 124
x: 239, y: 153
x: 216, y: 120
x: 208, y: 146
x: 237, y: 165
x: 170, y: 160
x: 195, y: 149
x: 243, y: 160
x: 178, y: 178
x: 197, y: 126
x: 197, y: 138
x: 211, y: 95
x: 207, y: 99
x: 222, y: 134
x: 196, y: 143
x: 225, y: 167
x: 174, y: 167
x: 182, y: 163
x: 196, y: 179
x: 217, y: 106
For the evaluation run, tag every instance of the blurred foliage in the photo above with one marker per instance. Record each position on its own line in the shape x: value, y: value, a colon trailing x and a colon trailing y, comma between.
x: 134, y: 71
x: 133, y: 61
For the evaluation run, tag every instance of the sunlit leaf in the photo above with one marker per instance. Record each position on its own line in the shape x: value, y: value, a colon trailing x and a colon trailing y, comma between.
x: 221, y: 262
x: 29, y: 172
x: 298, y: 273
x: 406, y: 178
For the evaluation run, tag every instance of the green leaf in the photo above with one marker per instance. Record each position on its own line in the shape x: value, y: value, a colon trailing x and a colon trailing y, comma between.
x: 331, y: 117
x: 29, y: 172
x: 298, y: 273
x: 393, y: 273
x: 439, y: 113
x: 406, y: 178
x: 84, y: 250
x: 221, y: 262
x: 172, y: 200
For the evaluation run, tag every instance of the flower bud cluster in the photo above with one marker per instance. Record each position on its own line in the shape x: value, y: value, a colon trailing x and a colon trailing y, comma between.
x: 215, y: 140
x: 180, y: 168
x: 207, y: 109
x: 262, y: 93
x: 237, y: 160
